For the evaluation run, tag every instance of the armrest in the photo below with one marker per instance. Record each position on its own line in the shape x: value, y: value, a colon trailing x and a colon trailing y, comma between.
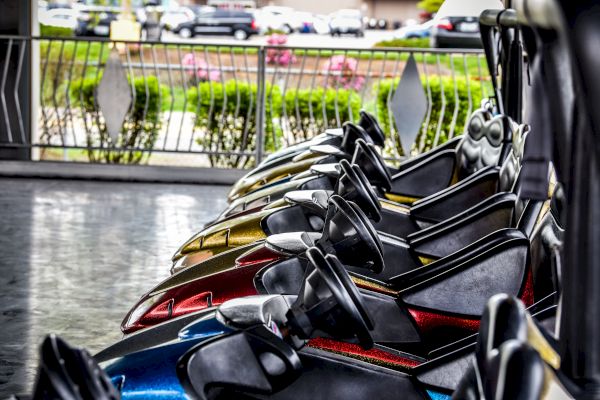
x: 448, y: 236
x: 426, y: 177
x: 458, y: 197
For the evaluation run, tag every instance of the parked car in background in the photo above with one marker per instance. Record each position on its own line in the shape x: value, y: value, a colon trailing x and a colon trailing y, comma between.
x: 414, y: 31
x: 59, y: 17
x: 347, y: 21
x: 173, y: 17
x: 240, y: 24
x: 95, y: 23
x: 456, y: 32
x: 281, y: 18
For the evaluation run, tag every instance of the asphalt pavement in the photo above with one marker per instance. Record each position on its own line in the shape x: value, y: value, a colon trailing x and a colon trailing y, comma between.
x: 76, y: 255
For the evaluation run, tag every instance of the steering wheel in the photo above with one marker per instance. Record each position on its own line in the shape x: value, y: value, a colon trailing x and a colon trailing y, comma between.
x: 351, y: 235
x: 70, y: 373
x: 353, y: 133
x: 352, y: 185
x: 345, y: 293
x: 370, y: 124
x: 372, y: 165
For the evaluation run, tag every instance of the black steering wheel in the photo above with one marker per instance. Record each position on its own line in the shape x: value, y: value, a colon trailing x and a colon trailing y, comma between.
x: 346, y: 294
x: 70, y: 373
x: 353, y: 133
x: 370, y: 124
x: 351, y: 236
x: 353, y: 186
x: 372, y: 165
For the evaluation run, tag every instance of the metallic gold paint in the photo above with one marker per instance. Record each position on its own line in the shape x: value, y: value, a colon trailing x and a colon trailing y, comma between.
x: 400, y: 198
x: 396, y: 207
x: 247, y: 184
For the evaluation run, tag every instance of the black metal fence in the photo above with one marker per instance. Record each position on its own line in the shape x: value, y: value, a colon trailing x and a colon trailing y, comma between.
x: 225, y: 106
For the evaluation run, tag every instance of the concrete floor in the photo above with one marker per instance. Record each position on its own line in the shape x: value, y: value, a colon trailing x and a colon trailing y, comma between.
x: 76, y: 255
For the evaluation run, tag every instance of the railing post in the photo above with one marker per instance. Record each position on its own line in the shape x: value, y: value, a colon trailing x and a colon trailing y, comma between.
x: 260, y: 104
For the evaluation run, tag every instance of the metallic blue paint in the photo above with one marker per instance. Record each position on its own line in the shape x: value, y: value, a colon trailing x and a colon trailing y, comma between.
x: 151, y: 373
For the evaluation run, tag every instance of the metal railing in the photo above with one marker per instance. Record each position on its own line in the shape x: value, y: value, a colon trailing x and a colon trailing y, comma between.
x: 227, y: 106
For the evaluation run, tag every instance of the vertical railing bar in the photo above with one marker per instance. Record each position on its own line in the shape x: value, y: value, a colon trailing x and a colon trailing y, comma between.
x: 211, y: 108
x: 273, y: 133
x: 381, y: 76
x: 95, y: 96
x: 391, y: 93
x: 55, y: 86
x: 157, y: 72
x: 122, y: 148
x: 482, y: 88
x: 368, y: 75
x: 284, y: 105
x: 42, y: 85
x: 425, y: 127
x: 3, y: 87
x: 183, y: 82
x: 246, y: 128
x: 195, y: 73
x: 16, y: 91
x: 237, y: 90
x: 443, y: 97
x: 323, y: 103
x: 67, y: 93
x: 146, y: 87
x: 468, y: 84
x: 313, y: 121
x: 84, y: 113
x: 337, y: 90
x: 354, y: 81
x: 260, y: 104
x: 299, y: 120
x: 171, y: 106
x: 456, y: 98
x: 224, y: 107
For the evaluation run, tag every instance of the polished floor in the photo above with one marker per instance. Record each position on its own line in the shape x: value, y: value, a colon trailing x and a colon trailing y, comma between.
x: 75, y: 255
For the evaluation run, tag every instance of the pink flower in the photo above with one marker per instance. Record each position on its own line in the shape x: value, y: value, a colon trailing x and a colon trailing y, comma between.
x: 202, y: 69
x: 282, y: 57
x: 342, y: 72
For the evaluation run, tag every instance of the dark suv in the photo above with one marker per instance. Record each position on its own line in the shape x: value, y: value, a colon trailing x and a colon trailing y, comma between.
x: 240, y: 24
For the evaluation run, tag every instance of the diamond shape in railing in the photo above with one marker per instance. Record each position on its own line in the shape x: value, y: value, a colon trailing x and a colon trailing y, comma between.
x: 409, y: 105
x: 114, y: 95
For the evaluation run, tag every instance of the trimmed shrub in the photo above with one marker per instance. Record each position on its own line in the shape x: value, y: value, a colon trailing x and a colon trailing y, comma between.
x: 435, y: 84
x: 320, y: 103
x: 55, y: 31
x: 140, y: 129
x: 226, y: 116
x: 409, y: 42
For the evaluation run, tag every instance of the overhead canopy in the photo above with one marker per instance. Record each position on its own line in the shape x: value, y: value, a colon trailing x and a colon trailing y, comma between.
x: 466, y: 8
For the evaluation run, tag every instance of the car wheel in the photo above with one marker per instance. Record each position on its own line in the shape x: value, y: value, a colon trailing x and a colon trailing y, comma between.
x: 185, y: 33
x: 240, y: 34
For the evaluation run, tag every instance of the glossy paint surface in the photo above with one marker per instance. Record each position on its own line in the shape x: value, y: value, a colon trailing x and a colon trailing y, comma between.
x: 151, y: 373
x: 76, y: 255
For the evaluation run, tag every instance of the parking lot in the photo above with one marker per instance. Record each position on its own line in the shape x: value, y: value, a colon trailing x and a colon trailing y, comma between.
x: 295, y: 39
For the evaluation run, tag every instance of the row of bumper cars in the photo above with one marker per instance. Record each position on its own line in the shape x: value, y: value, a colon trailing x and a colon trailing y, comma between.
x: 333, y: 275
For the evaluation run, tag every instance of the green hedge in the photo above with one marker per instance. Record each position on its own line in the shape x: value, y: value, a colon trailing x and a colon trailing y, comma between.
x: 230, y: 125
x: 55, y: 31
x: 435, y: 84
x: 322, y: 102
x: 140, y: 129
x: 412, y: 42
